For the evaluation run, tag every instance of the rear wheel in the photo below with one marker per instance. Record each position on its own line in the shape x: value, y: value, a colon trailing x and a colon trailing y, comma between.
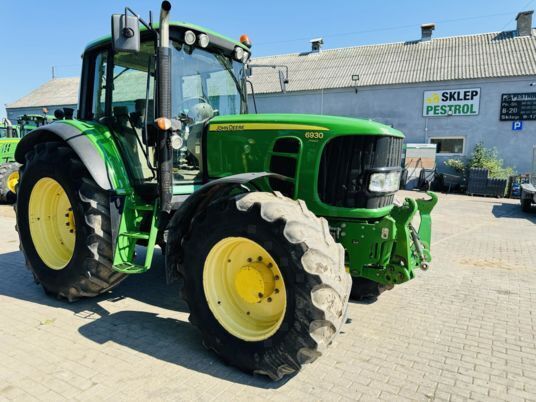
x: 9, y: 178
x: 265, y: 282
x: 63, y: 220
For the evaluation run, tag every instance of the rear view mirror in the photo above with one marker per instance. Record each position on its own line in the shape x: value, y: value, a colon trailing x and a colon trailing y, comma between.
x: 125, y: 33
x: 283, y: 81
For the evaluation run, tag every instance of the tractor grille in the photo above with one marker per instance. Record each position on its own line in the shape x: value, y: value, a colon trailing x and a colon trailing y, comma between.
x: 344, y: 170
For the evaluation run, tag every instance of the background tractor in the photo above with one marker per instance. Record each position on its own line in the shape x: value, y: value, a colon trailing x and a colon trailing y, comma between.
x: 9, y: 138
x: 260, y: 216
x: 9, y: 170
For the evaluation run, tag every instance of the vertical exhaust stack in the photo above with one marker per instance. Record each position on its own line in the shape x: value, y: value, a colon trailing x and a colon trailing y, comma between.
x: 165, y: 155
x: 524, y: 23
x: 426, y: 32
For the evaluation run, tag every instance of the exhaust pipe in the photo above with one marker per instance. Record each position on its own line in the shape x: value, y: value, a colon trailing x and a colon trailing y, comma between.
x: 165, y: 154
x: 164, y: 24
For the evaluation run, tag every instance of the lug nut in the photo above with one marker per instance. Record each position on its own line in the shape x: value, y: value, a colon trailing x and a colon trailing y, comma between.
x: 276, y: 290
x: 259, y: 258
x: 270, y: 265
x: 269, y: 300
x: 276, y: 277
x: 261, y: 295
x: 250, y: 259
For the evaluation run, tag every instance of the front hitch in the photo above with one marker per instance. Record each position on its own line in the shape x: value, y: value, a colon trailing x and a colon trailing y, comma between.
x: 412, y: 247
x: 388, y: 250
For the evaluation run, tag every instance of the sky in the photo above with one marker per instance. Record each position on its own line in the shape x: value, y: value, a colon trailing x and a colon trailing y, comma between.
x: 50, y: 33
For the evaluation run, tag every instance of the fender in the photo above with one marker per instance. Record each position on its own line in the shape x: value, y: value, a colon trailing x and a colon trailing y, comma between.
x: 195, y: 203
x: 94, y: 145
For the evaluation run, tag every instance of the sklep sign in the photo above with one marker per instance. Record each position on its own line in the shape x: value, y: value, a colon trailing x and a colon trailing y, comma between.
x: 451, y: 102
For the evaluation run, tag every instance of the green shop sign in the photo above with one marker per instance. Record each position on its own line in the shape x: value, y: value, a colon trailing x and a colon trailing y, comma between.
x: 451, y: 102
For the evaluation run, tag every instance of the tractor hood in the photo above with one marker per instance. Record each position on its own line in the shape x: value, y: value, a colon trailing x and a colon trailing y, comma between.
x: 304, y: 122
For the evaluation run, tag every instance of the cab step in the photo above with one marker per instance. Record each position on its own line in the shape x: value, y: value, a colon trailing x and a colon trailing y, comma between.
x: 136, y: 235
x: 130, y: 268
x: 130, y: 235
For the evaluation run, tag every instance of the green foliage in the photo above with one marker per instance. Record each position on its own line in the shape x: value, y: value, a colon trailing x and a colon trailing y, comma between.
x: 457, y: 164
x: 482, y: 158
x: 488, y: 158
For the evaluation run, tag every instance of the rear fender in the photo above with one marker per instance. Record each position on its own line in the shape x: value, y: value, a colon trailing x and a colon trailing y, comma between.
x: 94, y: 145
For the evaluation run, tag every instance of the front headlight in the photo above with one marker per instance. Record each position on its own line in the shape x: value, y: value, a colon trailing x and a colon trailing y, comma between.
x: 384, y: 182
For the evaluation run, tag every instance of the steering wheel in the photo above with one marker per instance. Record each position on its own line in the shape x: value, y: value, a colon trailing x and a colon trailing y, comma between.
x: 193, y: 98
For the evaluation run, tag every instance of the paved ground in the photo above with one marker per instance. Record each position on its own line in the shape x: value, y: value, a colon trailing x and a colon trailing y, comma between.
x: 463, y: 330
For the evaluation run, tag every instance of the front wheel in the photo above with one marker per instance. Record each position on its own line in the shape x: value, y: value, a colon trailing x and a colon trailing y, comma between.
x: 265, y: 282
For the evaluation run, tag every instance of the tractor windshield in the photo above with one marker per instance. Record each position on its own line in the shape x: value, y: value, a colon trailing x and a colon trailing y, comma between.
x: 204, y: 85
x: 3, y: 132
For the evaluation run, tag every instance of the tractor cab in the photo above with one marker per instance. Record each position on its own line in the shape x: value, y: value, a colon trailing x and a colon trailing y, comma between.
x: 29, y: 122
x: 207, y: 79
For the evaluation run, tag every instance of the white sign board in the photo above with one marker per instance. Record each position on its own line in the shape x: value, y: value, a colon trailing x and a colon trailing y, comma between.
x: 451, y: 102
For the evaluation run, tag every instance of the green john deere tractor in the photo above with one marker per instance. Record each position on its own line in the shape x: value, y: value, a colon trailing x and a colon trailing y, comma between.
x: 260, y: 216
x: 9, y: 169
x: 9, y: 138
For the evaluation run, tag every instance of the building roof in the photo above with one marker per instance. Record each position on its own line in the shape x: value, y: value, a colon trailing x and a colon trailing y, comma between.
x: 489, y: 55
x: 56, y: 92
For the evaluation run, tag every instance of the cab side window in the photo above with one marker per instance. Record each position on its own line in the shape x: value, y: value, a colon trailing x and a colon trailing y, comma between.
x: 99, y: 85
x: 131, y: 105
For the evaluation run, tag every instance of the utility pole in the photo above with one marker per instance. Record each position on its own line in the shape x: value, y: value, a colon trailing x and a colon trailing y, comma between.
x: 53, y: 72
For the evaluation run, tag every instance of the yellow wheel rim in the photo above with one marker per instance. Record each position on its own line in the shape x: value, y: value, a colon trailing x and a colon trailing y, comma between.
x: 52, y: 224
x: 244, y: 289
x: 12, y: 181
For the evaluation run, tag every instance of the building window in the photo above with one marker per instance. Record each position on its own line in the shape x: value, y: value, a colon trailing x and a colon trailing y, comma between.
x: 449, y: 145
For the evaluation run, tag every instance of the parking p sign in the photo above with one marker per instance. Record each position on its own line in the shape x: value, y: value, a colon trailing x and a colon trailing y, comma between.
x: 517, y: 125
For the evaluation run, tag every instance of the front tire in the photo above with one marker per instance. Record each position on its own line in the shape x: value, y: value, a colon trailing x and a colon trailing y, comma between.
x: 265, y: 282
x: 63, y: 220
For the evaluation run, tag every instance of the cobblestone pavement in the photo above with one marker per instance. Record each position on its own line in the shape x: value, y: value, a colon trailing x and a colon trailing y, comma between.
x: 463, y: 330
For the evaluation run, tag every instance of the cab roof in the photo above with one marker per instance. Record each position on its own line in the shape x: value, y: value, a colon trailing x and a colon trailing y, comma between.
x: 172, y: 25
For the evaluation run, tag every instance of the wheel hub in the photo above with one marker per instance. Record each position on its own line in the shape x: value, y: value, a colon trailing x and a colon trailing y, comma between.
x: 244, y: 288
x: 254, y: 282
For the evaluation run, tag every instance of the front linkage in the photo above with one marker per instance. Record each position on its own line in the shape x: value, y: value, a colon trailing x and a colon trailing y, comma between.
x: 388, y: 250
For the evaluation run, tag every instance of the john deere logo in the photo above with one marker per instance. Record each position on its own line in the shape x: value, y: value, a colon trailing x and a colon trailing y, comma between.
x: 451, y: 102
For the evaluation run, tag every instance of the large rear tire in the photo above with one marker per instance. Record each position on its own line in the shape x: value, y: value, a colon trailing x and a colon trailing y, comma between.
x: 265, y: 282
x: 9, y: 177
x: 63, y: 220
